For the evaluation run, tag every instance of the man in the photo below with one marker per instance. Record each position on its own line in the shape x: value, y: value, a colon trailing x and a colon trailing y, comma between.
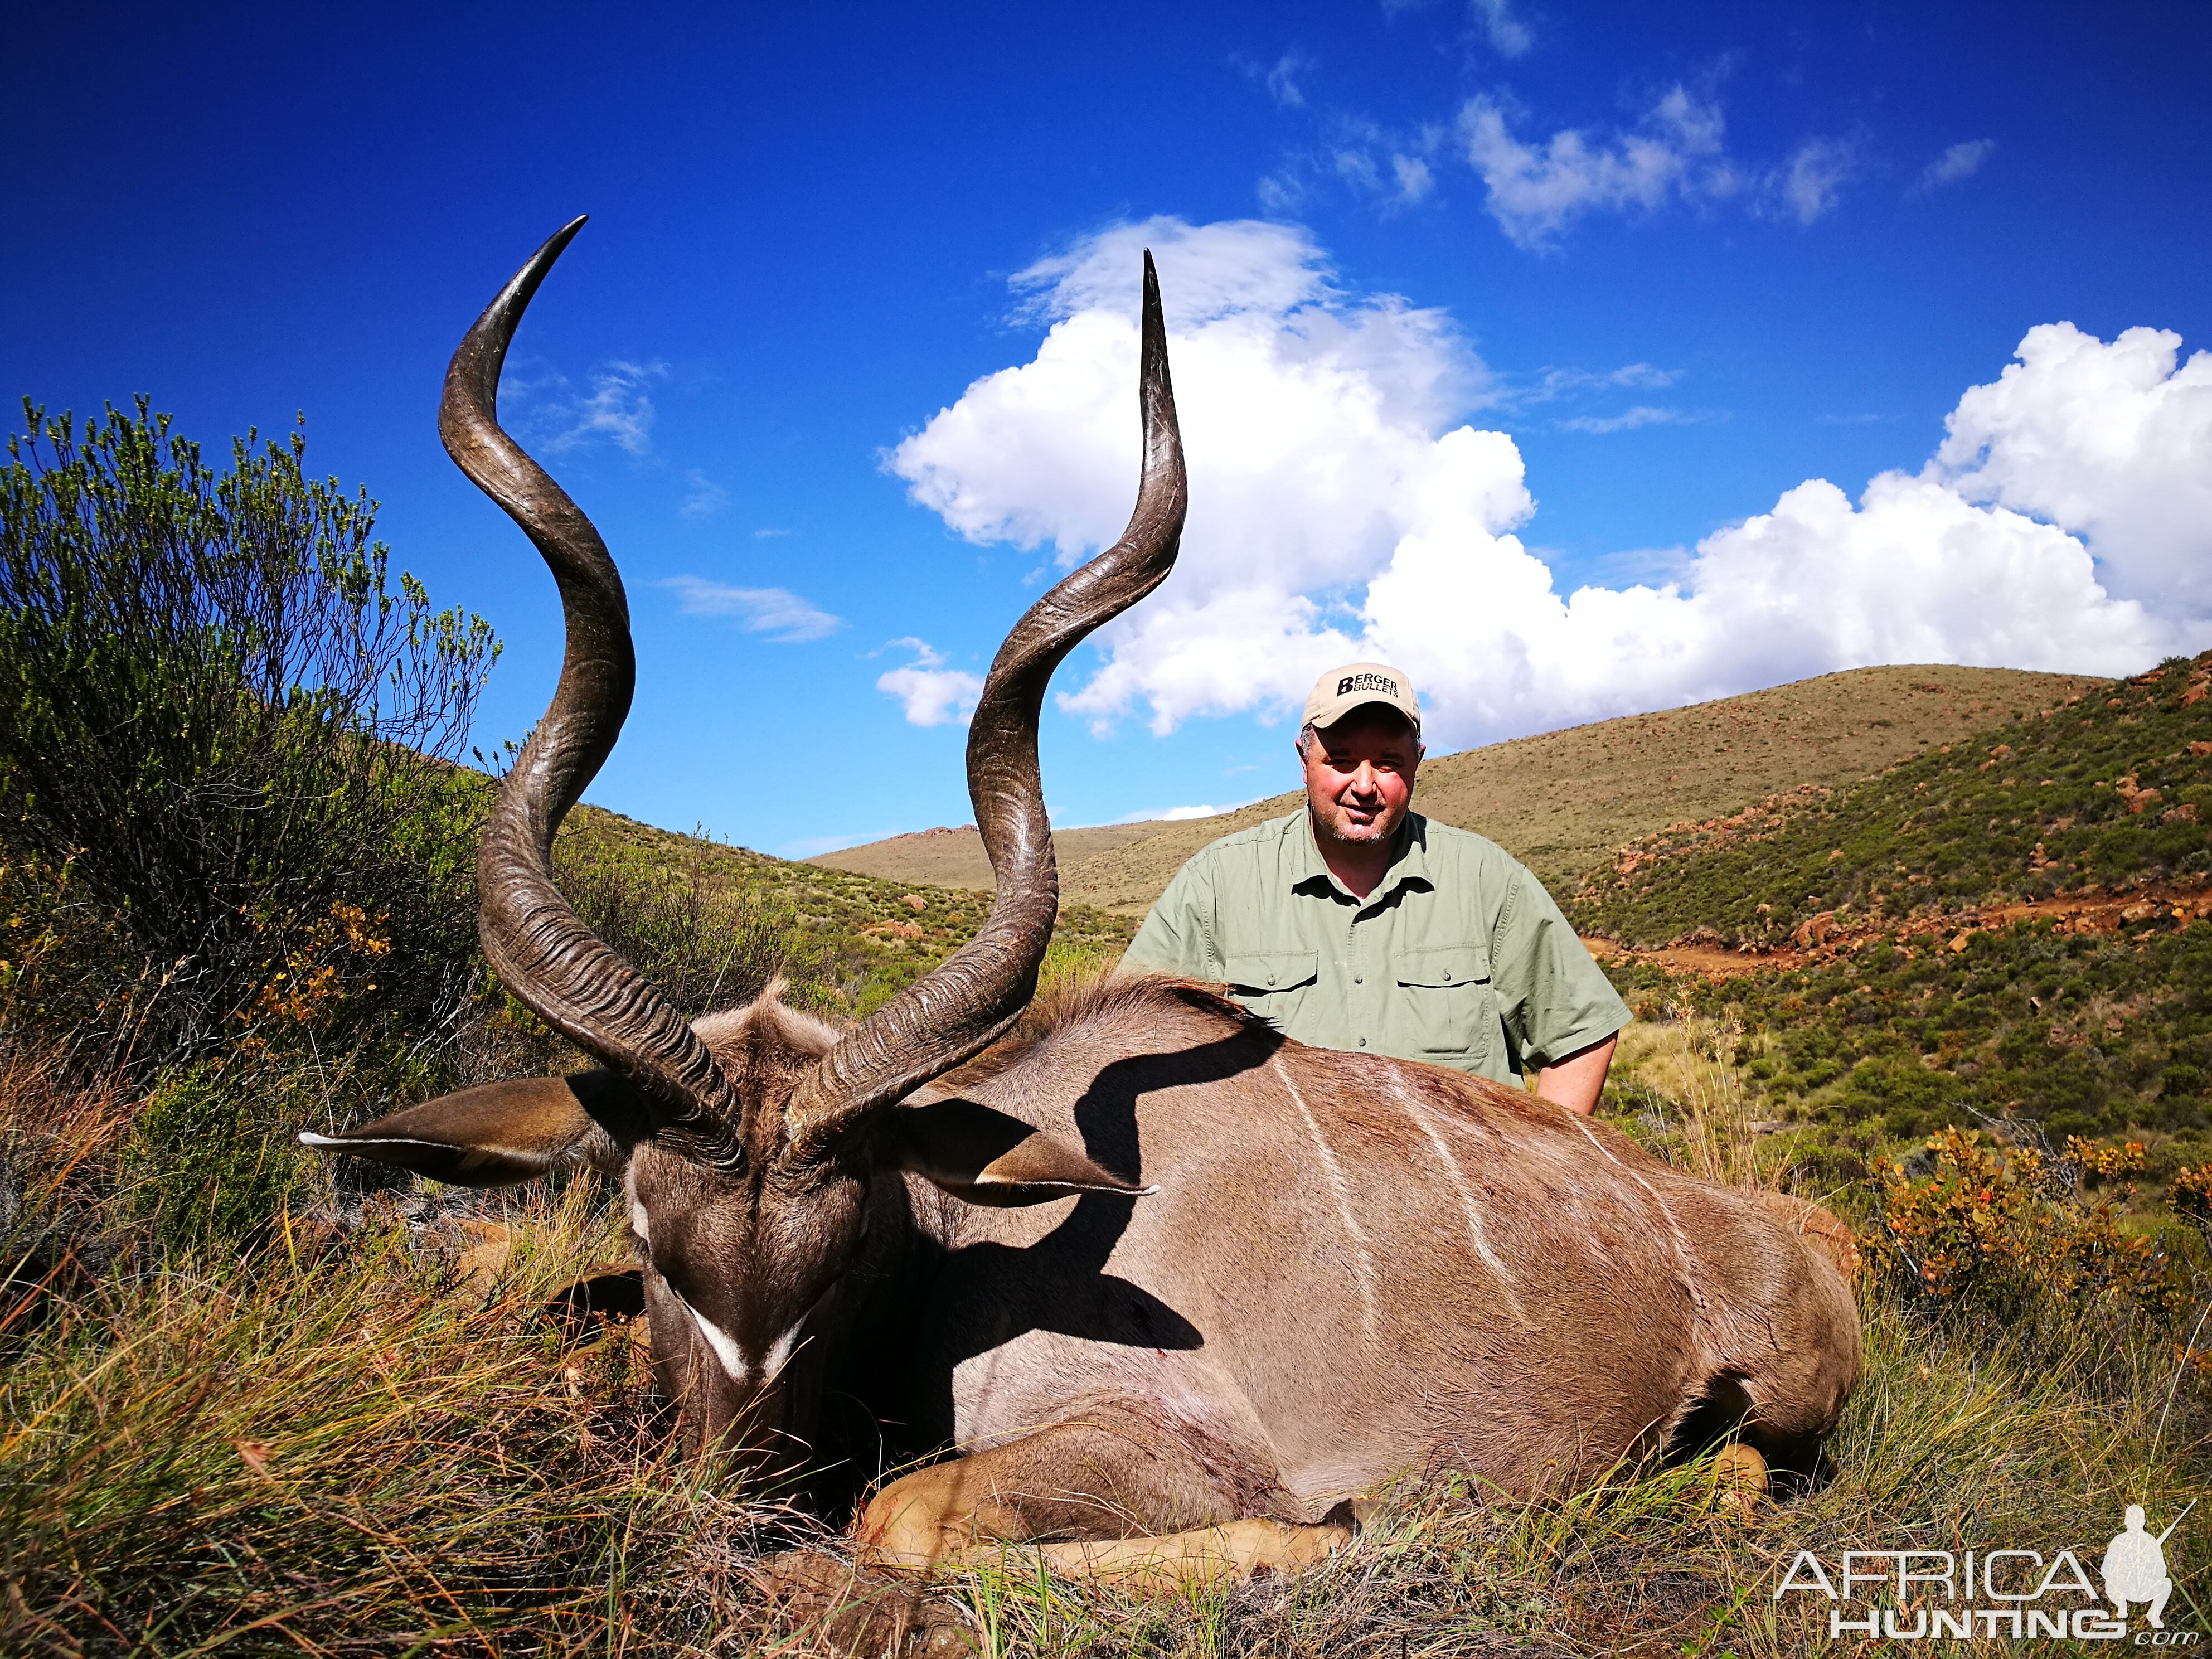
x: 1355, y: 923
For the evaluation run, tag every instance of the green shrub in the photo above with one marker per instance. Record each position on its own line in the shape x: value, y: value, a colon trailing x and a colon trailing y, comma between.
x: 211, y: 1153
x: 224, y: 743
x: 2084, y: 1033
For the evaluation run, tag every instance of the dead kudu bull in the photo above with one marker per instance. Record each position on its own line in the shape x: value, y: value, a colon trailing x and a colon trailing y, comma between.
x: 1156, y: 1271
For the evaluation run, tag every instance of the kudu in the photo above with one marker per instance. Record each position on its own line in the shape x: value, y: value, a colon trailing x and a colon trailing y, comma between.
x: 1153, y: 1268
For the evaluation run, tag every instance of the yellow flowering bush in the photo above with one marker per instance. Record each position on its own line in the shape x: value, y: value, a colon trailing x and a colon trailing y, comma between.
x: 1994, y: 1231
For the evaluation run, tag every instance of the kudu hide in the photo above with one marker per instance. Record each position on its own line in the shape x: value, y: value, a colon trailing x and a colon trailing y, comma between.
x: 1150, y: 1267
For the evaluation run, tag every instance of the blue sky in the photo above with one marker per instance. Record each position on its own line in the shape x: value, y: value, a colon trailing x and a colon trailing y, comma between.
x: 1478, y: 306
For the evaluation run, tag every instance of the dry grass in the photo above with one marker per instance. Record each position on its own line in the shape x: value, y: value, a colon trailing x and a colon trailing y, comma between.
x: 333, y: 1443
x: 1694, y: 1108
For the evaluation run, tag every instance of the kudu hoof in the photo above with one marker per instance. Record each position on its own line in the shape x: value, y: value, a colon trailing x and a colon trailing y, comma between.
x: 1740, y: 1478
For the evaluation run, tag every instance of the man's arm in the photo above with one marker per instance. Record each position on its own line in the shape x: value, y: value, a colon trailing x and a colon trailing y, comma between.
x: 1559, y: 1005
x: 1576, y: 1081
x: 1177, y: 937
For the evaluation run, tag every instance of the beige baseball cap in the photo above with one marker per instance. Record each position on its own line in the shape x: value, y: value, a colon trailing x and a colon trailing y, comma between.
x: 1340, y: 690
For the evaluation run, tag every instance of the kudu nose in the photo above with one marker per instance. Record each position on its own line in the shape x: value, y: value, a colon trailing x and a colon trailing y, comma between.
x: 744, y: 1432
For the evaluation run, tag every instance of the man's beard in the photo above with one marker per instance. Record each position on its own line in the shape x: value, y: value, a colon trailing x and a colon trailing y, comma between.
x: 1365, y: 835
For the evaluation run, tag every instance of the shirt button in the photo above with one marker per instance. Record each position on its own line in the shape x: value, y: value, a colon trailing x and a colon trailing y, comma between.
x: 1363, y: 1042
x: 1448, y: 974
x: 1356, y: 980
x: 1271, y: 979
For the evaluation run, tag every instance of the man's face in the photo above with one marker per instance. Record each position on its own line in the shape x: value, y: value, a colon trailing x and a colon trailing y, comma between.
x: 1359, y: 775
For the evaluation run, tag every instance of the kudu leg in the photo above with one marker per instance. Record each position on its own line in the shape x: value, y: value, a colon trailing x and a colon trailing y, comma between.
x: 1206, y: 1555
x: 1115, y: 1503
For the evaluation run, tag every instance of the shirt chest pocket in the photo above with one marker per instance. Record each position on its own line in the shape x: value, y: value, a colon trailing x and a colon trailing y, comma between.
x: 1444, y: 991
x: 1272, y: 983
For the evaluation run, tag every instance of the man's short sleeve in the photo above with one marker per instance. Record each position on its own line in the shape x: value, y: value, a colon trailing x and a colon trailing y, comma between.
x: 1177, y: 936
x: 1555, y: 999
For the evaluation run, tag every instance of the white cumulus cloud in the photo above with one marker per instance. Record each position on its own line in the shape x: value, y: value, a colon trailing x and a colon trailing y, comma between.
x: 1339, y: 512
x: 2112, y: 441
x: 931, y: 694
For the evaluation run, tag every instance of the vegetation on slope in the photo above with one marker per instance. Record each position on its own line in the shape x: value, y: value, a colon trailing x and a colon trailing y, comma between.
x: 954, y: 856
x: 2111, y: 790
x: 863, y: 937
x: 225, y: 746
x: 2082, y: 1034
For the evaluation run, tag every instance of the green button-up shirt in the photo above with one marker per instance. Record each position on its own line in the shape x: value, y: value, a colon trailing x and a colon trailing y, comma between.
x: 1459, y: 957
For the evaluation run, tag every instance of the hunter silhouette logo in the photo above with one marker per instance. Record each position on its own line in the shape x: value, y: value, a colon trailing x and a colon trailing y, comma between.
x: 2135, y: 1567
x: 1998, y: 1594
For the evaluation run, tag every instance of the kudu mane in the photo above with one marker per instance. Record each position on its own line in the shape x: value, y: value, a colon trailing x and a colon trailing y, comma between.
x: 765, y: 1048
x: 766, y: 1045
x: 1105, y: 1006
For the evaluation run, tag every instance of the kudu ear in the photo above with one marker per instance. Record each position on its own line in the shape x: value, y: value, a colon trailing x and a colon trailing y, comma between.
x: 984, y: 1156
x: 500, y: 1133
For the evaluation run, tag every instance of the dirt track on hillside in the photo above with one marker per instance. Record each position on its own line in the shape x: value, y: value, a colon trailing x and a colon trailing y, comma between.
x: 2075, y: 913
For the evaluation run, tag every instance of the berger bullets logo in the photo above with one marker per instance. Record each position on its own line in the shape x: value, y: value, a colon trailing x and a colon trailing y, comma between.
x: 1999, y: 1595
x: 1369, y: 681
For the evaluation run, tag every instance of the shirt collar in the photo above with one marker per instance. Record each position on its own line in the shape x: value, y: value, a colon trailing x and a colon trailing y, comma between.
x: 1411, y: 864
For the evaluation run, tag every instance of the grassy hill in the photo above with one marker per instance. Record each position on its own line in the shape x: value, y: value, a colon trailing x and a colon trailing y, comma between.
x: 714, y: 920
x: 955, y: 858
x: 2110, y: 789
x: 1904, y: 1020
x: 1564, y: 799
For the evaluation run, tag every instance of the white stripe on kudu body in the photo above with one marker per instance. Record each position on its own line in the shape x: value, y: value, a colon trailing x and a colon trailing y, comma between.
x: 1681, y: 1254
x: 1476, y: 1235
x: 1363, y: 1259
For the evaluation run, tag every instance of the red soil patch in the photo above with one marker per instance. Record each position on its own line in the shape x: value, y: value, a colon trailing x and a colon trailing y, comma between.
x: 2074, y: 912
